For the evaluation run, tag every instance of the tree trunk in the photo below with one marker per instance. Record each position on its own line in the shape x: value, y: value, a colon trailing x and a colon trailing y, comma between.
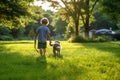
x: 76, y: 27
x: 87, y: 28
x: 77, y: 31
x: 87, y: 19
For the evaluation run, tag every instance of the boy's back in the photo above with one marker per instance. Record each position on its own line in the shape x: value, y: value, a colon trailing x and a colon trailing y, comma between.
x: 42, y: 31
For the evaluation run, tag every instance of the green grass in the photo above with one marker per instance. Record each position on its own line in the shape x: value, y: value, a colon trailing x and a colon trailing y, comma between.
x: 79, y: 61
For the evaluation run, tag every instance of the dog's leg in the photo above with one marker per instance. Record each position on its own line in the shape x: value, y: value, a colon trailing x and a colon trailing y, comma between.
x: 54, y: 52
x: 59, y: 53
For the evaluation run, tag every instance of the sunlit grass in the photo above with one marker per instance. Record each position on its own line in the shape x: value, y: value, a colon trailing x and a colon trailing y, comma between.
x: 79, y: 61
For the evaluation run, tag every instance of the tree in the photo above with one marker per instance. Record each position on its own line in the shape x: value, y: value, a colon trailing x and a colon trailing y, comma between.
x: 112, y: 9
x: 12, y: 12
x: 48, y: 14
x: 102, y: 21
x: 60, y: 26
x: 78, y: 9
x: 37, y: 14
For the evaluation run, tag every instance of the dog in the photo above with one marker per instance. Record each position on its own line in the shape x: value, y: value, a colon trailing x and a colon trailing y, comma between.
x: 56, y: 48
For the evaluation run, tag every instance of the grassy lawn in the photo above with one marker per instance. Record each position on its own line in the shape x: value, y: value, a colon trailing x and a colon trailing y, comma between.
x: 79, y: 61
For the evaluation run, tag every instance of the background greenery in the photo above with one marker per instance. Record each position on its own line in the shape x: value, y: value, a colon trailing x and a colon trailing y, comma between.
x: 21, y: 18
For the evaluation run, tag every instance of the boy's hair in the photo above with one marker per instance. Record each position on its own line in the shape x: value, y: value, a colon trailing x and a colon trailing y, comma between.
x: 44, y: 21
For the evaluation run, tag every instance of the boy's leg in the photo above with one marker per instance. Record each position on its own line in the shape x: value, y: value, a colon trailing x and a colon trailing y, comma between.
x: 44, y: 51
x: 41, y: 52
x: 42, y: 47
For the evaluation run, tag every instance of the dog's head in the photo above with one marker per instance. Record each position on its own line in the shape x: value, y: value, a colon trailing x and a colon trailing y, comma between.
x: 57, y: 42
x: 57, y: 45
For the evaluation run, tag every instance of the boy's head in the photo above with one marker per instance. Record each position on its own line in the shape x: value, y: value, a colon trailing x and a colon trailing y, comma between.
x: 44, y: 21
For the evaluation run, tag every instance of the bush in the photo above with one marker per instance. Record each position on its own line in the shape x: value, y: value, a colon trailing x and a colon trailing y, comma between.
x: 6, y: 37
x: 77, y: 39
x: 5, y: 33
x: 24, y: 38
x: 116, y: 36
x: 102, y: 39
x: 81, y: 39
x: 4, y: 30
x: 16, y: 33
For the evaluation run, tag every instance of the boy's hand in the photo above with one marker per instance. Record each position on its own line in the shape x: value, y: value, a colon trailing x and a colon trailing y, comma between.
x: 35, y: 45
x: 50, y: 43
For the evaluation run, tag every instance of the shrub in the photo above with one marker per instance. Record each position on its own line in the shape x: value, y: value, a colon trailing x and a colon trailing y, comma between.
x: 6, y: 37
x: 102, y: 39
x: 116, y: 36
x: 16, y: 33
x: 4, y: 30
x: 5, y: 33
x: 77, y: 39
x: 81, y: 39
x: 25, y: 38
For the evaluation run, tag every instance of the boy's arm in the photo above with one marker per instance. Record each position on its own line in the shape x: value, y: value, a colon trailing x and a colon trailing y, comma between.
x: 36, y: 35
x: 49, y: 38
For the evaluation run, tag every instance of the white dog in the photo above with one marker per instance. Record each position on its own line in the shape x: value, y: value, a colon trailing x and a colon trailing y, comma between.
x: 56, y: 48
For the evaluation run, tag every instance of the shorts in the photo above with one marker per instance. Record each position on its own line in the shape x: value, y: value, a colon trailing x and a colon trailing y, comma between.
x: 42, y: 45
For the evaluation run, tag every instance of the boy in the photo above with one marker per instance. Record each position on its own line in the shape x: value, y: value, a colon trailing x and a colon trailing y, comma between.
x: 42, y: 33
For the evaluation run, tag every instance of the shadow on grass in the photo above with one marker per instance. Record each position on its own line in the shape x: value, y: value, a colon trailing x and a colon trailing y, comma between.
x: 3, y: 49
x: 15, y: 66
x: 105, y: 46
x: 55, y: 56
x: 41, y: 60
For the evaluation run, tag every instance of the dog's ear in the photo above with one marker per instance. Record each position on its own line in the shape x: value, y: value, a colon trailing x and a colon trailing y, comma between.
x: 58, y: 42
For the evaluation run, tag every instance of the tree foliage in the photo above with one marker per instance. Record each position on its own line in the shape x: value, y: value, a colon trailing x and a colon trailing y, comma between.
x: 13, y: 11
x: 102, y: 21
x: 60, y: 26
x: 78, y: 10
x: 112, y: 9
